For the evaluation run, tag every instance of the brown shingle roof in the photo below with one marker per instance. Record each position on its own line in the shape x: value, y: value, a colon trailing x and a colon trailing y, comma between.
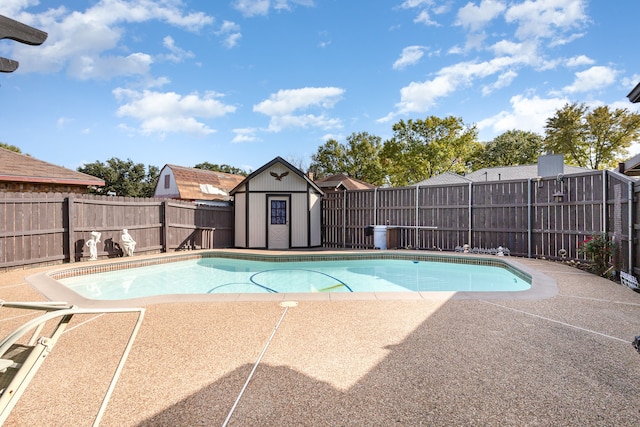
x: 16, y: 167
x: 190, y: 182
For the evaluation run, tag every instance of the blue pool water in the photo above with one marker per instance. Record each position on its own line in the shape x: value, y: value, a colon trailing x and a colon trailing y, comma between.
x: 224, y: 275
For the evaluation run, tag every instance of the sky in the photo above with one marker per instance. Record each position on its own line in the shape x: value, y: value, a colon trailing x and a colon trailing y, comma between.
x: 240, y: 82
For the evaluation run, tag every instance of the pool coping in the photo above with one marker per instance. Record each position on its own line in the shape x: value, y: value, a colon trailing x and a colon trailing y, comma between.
x: 542, y: 286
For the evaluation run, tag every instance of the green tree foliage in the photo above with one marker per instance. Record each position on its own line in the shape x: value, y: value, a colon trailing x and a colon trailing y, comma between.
x: 221, y: 168
x: 124, y: 178
x: 420, y: 149
x: 596, y: 139
x: 330, y: 159
x: 10, y: 147
x: 512, y: 148
x: 359, y: 158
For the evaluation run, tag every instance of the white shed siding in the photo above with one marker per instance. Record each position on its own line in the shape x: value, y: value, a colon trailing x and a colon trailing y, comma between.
x: 315, y: 227
x: 240, y: 220
x: 299, y: 229
x: 161, y: 191
x: 266, y: 182
x: 257, y: 220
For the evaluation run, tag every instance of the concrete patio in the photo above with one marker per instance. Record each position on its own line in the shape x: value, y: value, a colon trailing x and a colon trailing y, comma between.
x: 560, y: 360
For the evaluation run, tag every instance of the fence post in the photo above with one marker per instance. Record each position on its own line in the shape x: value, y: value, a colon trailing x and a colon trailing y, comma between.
x: 417, y: 222
x: 470, y: 237
x: 164, y: 225
x: 344, y: 218
x: 604, y: 201
x: 630, y: 225
x: 529, y: 222
x: 70, y: 230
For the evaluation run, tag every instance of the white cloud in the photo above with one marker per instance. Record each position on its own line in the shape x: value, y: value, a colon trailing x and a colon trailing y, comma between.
x: 83, y: 41
x: 425, y: 7
x: 176, y: 54
x: 419, y: 97
x: 410, y: 56
x: 546, y: 18
x: 231, y: 33
x: 528, y: 114
x: 281, y: 106
x: 596, y: 77
x: 251, y: 8
x: 409, y: 4
x: 424, y: 18
x: 579, y: 60
x: 288, y: 100
x: 169, y: 112
x: 62, y: 122
x: 476, y: 17
x: 105, y: 67
x: 504, y: 80
x: 245, y: 135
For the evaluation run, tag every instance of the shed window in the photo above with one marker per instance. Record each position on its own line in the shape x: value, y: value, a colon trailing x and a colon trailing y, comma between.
x: 167, y: 181
x: 278, y: 212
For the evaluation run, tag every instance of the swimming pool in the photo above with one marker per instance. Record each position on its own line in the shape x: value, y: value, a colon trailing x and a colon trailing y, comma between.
x: 360, y: 273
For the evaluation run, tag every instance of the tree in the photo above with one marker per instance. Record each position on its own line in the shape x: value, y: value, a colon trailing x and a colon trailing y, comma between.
x: 359, y: 158
x: 221, y: 168
x: 420, y: 149
x: 512, y: 148
x: 330, y: 159
x: 596, y: 139
x: 10, y: 147
x: 124, y: 178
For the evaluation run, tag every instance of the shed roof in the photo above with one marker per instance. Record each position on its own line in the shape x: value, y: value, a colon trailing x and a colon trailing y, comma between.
x: 202, y: 184
x: 285, y: 164
x: 345, y: 181
x: 17, y: 167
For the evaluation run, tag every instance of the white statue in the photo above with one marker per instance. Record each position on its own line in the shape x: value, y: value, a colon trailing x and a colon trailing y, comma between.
x: 128, y: 244
x: 93, y: 245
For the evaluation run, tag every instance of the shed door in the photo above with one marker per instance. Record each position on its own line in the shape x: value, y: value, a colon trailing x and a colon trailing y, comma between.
x: 278, y: 223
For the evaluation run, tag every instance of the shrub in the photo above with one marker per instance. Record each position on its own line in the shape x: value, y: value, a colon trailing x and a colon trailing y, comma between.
x: 599, y: 250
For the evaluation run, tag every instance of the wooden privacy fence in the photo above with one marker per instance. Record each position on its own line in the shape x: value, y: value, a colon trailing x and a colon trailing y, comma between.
x: 42, y: 228
x: 541, y: 218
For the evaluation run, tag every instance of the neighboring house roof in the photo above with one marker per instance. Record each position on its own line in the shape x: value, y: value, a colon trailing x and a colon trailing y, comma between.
x: 515, y: 172
x: 342, y: 181
x: 632, y: 166
x: 634, y: 95
x: 285, y: 164
x: 16, y: 167
x: 202, y: 184
x: 502, y: 173
x: 447, y: 178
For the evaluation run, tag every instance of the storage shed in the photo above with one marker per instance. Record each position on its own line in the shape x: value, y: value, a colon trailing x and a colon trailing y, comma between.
x: 201, y: 186
x: 277, y: 207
